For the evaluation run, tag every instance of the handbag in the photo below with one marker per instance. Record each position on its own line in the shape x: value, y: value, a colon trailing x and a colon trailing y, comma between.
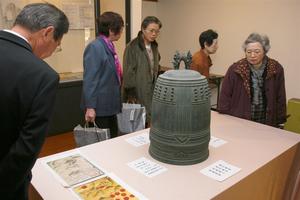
x: 89, y: 135
x: 132, y: 118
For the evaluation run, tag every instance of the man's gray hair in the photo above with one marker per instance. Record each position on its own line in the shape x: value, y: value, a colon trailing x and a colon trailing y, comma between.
x: 262, y: 39
x: 37, y: 16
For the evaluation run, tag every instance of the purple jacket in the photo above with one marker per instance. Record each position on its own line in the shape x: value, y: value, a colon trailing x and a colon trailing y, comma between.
x: 235, y: 97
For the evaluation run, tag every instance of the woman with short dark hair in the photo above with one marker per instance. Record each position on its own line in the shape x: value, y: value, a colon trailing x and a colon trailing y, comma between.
x: 102, y: 77
x: 110, y: 21
x: 201, y: 61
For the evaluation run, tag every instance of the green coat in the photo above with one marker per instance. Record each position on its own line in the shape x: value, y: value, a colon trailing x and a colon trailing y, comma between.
x: 138, y: 81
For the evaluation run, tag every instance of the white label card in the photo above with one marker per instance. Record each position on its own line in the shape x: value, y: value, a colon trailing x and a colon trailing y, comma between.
x: 216, y: 142
x: 139, y: 140
x: 147, y: 167
x: 220, y: 170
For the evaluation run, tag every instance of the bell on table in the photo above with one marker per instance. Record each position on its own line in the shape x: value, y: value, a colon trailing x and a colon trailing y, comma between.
x: 180, y: 124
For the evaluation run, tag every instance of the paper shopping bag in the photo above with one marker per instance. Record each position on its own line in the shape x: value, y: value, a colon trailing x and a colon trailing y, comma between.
x: 89, y: 135
x: 132, y: 118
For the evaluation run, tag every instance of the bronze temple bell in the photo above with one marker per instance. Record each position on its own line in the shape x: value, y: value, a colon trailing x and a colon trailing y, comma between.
x: 180, y: 122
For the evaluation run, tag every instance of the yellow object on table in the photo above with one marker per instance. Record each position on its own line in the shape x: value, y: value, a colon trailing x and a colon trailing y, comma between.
x: 293, y: 111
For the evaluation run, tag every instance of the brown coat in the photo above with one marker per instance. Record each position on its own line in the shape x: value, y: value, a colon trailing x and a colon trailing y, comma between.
x: 201, y: 62
x: 138, y: 79
x: 235, y: 97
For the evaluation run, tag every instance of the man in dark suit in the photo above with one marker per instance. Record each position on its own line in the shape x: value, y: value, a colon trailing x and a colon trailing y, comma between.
x: 28, y: 87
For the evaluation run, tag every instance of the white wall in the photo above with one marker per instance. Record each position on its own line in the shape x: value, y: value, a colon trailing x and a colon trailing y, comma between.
x: 234, y: 20
x: 136, y: 17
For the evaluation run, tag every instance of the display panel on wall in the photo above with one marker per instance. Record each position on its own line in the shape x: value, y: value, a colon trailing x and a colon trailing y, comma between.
x: 8, y: 12
x: 79, y: 12
x: 81, y: 31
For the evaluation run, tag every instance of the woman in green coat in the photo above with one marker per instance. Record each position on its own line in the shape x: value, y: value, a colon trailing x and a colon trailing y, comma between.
x: 141, y: 65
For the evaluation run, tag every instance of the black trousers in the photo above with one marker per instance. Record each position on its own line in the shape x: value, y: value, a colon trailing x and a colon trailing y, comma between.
x: 108, y: 122
x: 20, y: 194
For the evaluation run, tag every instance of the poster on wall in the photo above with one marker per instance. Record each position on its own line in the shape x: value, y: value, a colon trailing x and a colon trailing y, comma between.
x: 79, y: 13
x: 9, y: 9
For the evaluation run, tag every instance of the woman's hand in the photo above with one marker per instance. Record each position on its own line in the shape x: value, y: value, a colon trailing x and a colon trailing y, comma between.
x: 90, y: 115
x: 132, y: 100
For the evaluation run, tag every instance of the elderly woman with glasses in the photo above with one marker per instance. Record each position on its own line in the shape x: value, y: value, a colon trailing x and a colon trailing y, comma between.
x: 141, y: 65
x: 253, y: 87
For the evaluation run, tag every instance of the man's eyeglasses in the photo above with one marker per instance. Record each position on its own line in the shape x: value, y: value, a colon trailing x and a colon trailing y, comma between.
x: 58, y: 49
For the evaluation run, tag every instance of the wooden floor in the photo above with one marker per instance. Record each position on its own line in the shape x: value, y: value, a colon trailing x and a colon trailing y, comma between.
x: 58, y: 143
x: 52, y: 145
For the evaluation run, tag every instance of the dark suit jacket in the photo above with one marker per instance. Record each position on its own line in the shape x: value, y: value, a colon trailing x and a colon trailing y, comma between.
x: 27, y: 91
x: 101, y: 87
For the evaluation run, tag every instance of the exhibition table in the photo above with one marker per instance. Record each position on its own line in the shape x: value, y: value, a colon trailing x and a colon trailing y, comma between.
x: 268, y: 158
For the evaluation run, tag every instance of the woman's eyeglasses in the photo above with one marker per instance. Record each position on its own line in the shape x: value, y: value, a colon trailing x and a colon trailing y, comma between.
x: 152, y: 31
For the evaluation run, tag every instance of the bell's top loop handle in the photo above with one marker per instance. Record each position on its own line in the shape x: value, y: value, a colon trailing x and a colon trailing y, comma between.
x: 186, y: 58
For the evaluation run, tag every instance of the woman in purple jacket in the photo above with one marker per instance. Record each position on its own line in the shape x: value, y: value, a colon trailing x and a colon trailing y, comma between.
x: 253, y: 87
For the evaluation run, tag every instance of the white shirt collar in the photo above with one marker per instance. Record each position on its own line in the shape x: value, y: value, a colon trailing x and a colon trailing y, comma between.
x: 17, y: 34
